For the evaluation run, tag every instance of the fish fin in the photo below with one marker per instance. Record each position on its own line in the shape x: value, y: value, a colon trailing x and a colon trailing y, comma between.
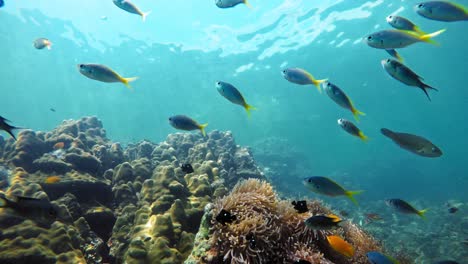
x: 126, y: 81
x: 428, y: 37
x: 336, y: 219
x: 202, y: 129
x: 317, y: 84
x: 357, y: 113
x: 421, y: 213
x: 350, y: 195
x: 246, y: 2
x: 144, y: 15
x: 11, y: 133
x: 424, y: 87
x: 363, y: 137
x: 394, y: 54
x: 248, y: 108
x: 419, y: 31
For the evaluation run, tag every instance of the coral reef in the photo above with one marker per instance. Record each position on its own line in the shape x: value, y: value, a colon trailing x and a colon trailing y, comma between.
x: 269, y: 230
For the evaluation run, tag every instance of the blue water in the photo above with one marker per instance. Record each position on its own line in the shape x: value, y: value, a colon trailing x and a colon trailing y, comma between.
x: 184, y: 47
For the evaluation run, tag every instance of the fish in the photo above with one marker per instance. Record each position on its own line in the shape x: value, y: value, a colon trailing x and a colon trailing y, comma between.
x: 231, y: 93
x: 394, y: 54
x: 446, y: 262
x: 413, y: 143
x: 397, y: 39
x: 453, y: 210
x: 375, y: 257
x: 339, y: 97
x: 372, y: 217
x: 225, y: 217
x: 131, y: 8
x: 325, y: 186
x: 187, y: 168
x: 2, y: 3
x: 186, y: 123
x: 402, y: 23
x: 341, y: 246
x: 300, y: 206
x: 103, y: 73
x: 302, y: 77
x: 6, y: 127
x: 352, y: 129
x: 32, y: 208
x: 404, y: 207
x: 52, y: 179
x: 442, y: 11
x: 59, y: 145
x: 52, y: 110
x: 231, y: 3
x: 405, y: 75
x: 41, y: 43
x: 323, y: 222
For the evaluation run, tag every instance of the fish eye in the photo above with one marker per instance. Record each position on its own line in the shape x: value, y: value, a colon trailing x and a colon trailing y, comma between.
x: 390, y: 17
x: 434, y: 149
x: 284, y: 71
x: 309, y: 180
x: 369, y: 37
x: 81, y: 66
x: 420, y: 5
x: 218, y: 83
x: 388, y: 60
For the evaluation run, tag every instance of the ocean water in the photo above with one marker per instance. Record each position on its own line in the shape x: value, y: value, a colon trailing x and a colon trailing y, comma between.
x: 184, y: 47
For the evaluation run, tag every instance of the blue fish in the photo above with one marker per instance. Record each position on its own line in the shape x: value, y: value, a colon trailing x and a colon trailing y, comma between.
x: 375, y: 257
x: 231, y: 93
x: 186, y: 123
x: 442, y: 11
x: 2, y: 3
x: 326, y: 186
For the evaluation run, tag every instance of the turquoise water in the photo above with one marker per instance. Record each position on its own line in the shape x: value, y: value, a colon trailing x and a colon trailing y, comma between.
x: 184, y: 47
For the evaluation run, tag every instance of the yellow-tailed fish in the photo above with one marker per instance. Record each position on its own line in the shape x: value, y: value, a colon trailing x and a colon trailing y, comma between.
x: 341, y: 246
x: 131, y: 8
x: 302, y: 77
x: 323, y: 222
x: 352, y: 129
x: 326, y: 186
x: 339, y: 97
x: 396, y: 39
x: 404, y: 207
x: 413, y: 143
x: 231, y: 3
x: 183, y: 122
x: 231, y: 93
x: 405, y: 75
x: 375, y: 257
x: 442, y: 11
x: 41, y: 43
x: 402, y: 23
x: 103, y: 73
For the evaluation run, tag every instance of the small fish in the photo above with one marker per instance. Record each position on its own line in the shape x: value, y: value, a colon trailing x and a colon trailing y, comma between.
x: 231, y: 3
x: 405, y: 75
x: 35, y: 209
x: 187, y: 168
x: 404, y: 207
x: 396, y: 39
x: 453, y: 210
x: 6, y: 127
x: 339, y: 97
x: 59, y: 145
x: 41, y: 43
x: 446, y: 262
x: 186, y: 123
x: 2, y: 3
x: 323, y: 222
x: 352, y: 129
x: 225, y: 217
x: 231, y: 93
x: 52, y: 179
x: 301, y: 261
x: 103, y: 74
x: 302, y: 77
x: 52, y: 110
x: 300, y: 206
x: 375, y: 257
x: 252, y: 241
x: 402, y: 23
x: 442, y: 11
x: 413, y: 143
x: 131, y: 8
x: 325, y: 186
x: 341, y: 246
x: 372, y: 217
x: 394, y: 54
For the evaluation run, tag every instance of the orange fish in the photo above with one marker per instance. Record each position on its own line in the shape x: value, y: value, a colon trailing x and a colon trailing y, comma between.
x: 52, y: 179
x: 59, y: 145
x: 341, y: 246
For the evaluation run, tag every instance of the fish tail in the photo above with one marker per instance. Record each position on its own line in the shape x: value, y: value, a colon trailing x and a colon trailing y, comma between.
x: 422, y: 213
x: 317, y: 83
x: 395, y: 54
x: 363, y: 137
x: 144, y: 15
x: 248, y: 108
x: 202, y: 129
x: 419, y: 31
x: 350, y: 195
x: 246, y: 2
x: 428, y: 37
x: 126, y: 81
x: 357, y: 113
x: 424, y: 87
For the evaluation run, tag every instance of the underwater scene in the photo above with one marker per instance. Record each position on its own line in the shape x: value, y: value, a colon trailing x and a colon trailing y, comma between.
x: 234, y: 131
